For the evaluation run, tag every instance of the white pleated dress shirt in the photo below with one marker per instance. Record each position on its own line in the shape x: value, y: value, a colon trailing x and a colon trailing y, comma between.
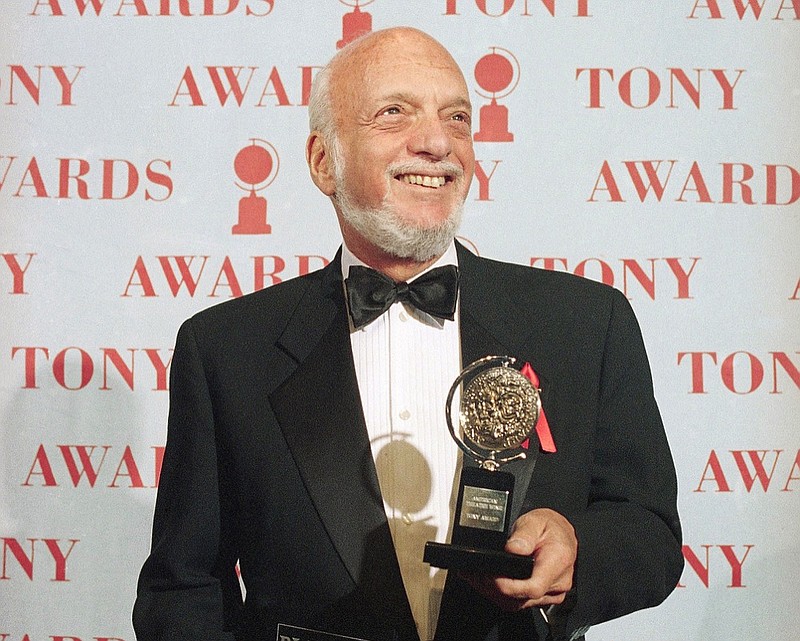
x: 406, y: 362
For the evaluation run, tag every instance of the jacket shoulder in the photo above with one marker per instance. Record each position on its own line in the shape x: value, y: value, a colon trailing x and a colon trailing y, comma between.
x: 534, y: 284
x: 265, y: 312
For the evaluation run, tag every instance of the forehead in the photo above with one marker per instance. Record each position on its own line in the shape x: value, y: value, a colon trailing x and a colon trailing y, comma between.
x: 411, y: 68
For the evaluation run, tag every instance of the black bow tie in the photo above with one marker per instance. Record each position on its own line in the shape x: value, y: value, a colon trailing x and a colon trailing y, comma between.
x: 370, y: 293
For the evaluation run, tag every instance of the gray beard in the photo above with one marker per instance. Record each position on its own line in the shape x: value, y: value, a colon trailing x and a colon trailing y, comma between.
x: 386, y: 230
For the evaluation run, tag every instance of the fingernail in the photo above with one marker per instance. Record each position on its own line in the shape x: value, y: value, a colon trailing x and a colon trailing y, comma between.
x: 520, y: 544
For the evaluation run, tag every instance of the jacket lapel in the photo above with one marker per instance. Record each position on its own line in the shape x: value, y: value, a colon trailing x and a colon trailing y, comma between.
x: 319, y: 410
x: 489, y: 327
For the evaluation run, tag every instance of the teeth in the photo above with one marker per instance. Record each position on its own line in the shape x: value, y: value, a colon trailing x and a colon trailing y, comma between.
x: 425, y: 181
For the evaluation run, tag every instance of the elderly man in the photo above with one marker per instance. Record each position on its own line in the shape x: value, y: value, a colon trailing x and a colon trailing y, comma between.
x: 307, y: 438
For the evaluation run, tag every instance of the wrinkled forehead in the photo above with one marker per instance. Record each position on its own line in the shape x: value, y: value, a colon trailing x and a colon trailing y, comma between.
x: 393, y: 62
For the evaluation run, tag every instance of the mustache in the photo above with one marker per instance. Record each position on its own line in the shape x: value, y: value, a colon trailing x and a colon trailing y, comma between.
x: 442, y: 167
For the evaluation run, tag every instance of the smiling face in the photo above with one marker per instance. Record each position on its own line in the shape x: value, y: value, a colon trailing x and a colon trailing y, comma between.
x: 400, y: 165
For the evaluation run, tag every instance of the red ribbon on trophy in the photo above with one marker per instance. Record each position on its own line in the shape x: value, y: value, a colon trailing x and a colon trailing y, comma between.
x: 546, y: 441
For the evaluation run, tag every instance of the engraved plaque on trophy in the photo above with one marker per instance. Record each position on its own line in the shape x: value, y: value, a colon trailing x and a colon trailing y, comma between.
x: 497, y: 412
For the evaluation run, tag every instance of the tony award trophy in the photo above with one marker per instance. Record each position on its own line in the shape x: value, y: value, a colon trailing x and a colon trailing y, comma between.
x: 497, y: 412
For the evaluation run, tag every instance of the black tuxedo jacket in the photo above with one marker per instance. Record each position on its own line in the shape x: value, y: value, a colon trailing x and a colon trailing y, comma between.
x: 268, y: 463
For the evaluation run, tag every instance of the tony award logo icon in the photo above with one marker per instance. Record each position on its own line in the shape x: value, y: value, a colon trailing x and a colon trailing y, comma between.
x: 497, y: 413
x: 356, y: 23
x: 496, y: 75
x: 254, y: 166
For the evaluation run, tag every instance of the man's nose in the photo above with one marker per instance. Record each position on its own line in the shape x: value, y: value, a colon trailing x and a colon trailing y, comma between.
x: 430, y: 138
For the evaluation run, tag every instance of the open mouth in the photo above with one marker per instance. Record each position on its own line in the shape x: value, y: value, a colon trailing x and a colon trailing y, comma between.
x: 424, y: 180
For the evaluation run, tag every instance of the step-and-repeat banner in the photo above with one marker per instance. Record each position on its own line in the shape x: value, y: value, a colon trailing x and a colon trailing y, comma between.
x: 151, y: 165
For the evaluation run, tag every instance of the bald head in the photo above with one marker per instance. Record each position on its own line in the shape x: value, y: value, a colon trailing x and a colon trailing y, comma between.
x: 349, y: 70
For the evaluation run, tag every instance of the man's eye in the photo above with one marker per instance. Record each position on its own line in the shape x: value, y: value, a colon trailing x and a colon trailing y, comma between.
x: 391, y: 111
x: 461, y: 117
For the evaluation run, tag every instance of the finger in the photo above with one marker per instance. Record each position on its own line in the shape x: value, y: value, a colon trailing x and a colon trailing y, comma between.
x: 520, y: 545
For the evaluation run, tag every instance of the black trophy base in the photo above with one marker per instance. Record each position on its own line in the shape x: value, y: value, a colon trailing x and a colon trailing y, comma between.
x: 480, y: 528
x: 478, y: 561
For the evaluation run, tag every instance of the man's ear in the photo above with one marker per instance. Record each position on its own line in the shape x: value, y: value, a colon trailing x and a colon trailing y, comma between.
x: 319, y: 163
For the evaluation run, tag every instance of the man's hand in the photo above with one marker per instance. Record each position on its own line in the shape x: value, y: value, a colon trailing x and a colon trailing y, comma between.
x: 550, y: 539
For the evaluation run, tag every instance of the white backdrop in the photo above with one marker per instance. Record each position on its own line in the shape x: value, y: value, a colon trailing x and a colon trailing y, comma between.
x: 655, y: 147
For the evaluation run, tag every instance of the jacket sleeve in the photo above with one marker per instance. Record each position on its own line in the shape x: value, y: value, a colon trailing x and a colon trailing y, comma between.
x: 182, y: 583
x: 629, y: 536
